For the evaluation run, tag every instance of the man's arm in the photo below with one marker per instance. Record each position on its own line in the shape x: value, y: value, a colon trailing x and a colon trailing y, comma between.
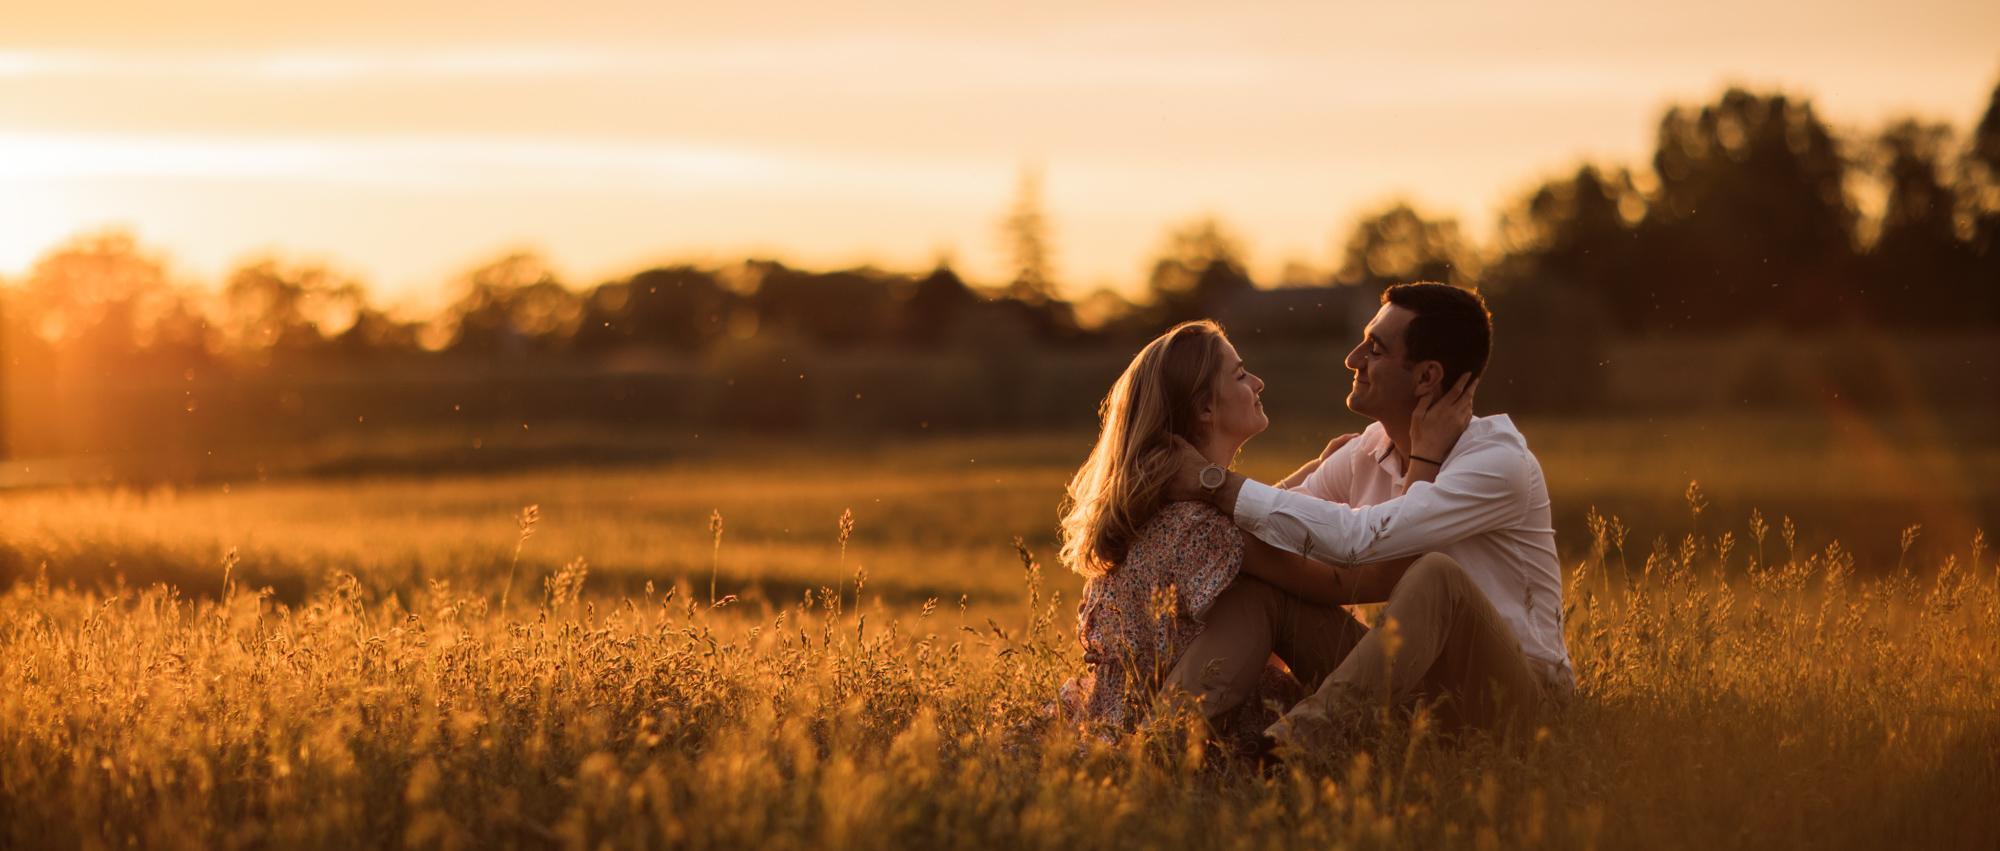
x: 1486, y: 486
x: 1473, y: 502
x: 1482, y: 490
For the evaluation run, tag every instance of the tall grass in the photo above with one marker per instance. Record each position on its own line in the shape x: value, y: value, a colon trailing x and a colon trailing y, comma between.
x: 1729, y: 698
x: 955, y: 504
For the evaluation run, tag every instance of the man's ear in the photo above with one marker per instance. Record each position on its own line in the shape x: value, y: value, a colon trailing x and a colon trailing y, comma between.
x: 1430, y: 377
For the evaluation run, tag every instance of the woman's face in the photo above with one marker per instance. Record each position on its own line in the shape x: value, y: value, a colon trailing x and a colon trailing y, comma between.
x: 1237, y: 414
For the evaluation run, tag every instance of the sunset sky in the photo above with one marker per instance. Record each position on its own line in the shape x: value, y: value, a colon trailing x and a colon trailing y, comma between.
x: 406, y: 141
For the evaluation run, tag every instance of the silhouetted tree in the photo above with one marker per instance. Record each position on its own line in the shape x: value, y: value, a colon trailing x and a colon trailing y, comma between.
x: 512, y: 306
x: 271, y: 310
x: 1044, y: 320
x: 1981, y: 182
x: 1399, y: 245
x: 1579, y: 229
x: 1751, y: 223
x: 1918, y: 270
x: 375, y: 334
x: 932, y: 312
x: 680, y: 308
x: 1986, y: 137
x: 1201, y: 267
x: 99, y: 297
x: 840, y: 309
x: 178, y: 335
x: 1104, y: 310
x: 1574, y: 236
x: 1026, y: 233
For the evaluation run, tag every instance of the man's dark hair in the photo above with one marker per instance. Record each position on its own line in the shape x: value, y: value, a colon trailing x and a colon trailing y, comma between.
x: 1452, y: 327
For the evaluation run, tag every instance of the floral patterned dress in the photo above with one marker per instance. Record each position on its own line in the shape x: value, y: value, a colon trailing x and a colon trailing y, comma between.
x: 1135, y: 622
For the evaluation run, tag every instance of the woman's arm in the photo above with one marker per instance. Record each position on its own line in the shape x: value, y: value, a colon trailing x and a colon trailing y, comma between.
x: 1435, y: 427
x: 1322, y: 583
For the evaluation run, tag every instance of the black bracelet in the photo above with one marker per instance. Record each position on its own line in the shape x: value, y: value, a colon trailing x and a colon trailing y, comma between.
x: 1438, y: 464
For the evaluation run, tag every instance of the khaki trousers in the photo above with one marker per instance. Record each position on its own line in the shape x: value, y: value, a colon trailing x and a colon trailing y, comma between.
x: 1439, y: 640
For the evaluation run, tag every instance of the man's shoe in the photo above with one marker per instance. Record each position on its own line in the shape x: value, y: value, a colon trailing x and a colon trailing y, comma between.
x: 1308, y: 736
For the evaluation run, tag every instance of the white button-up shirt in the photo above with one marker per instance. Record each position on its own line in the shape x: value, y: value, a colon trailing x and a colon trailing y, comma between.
x: 1488, y: 510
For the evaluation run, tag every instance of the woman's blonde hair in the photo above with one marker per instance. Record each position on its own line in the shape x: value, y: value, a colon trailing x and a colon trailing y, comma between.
x: 1119, y: 487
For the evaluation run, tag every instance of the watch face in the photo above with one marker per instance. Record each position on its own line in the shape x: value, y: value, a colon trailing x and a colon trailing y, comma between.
x: 1212, y: 477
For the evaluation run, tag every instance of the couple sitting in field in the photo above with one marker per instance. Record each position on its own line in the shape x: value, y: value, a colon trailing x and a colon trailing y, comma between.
x: 1200, y: 582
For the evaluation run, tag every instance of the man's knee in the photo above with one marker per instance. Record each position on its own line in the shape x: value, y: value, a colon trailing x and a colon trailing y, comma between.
x: 1430, y: 573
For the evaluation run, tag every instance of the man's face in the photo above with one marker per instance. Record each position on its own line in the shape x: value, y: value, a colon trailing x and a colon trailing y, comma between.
x: 1385, y: 382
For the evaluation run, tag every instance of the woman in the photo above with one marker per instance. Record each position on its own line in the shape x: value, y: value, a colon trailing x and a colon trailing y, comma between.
x: 1152, y: 569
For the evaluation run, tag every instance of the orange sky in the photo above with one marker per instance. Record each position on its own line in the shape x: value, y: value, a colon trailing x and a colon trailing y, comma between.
x: 406, y: 141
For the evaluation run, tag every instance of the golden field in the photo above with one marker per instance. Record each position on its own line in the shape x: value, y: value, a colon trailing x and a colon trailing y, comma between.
x: 1743, y: 682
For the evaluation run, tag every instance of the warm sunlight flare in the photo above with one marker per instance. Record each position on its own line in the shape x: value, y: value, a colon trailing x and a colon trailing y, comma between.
x: 409, y: 142
x: 1045, y: 424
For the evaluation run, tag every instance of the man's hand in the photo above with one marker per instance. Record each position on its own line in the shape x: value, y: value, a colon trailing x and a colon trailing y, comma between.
x: 1188, y: 464
x: 1438, y: 421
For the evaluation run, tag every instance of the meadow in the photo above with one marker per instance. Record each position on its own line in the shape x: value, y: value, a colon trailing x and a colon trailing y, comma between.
x: 420, y: 660
x: 933, y: 517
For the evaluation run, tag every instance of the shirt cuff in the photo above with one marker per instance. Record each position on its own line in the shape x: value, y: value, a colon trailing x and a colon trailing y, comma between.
x: 1254, y: 503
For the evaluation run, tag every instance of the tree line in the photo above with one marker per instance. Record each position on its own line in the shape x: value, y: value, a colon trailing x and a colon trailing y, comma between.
x: 1753, y: 212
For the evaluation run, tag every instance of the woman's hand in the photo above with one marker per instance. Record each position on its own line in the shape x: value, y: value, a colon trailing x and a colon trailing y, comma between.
x: 1438, y: 421
x: 1334, y: 445
x: 1298, y: 477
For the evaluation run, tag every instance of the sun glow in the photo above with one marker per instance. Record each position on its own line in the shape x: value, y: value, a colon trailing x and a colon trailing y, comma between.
x: 888, y: 135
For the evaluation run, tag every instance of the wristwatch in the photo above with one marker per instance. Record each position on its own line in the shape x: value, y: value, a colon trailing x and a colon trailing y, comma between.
x: 1212, y: 477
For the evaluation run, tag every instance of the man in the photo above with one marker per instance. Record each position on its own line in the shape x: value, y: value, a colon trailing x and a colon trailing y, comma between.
x: 1477, y: 615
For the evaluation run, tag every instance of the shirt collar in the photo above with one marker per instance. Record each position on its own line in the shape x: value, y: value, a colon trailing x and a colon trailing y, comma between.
x: 1381, y: 448
x: 1384, y: 449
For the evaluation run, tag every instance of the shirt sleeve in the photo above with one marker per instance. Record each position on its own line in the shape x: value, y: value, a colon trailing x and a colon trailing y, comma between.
x: 1334, y: 479
x: 1205, y: 554
x: 1482, y: 489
